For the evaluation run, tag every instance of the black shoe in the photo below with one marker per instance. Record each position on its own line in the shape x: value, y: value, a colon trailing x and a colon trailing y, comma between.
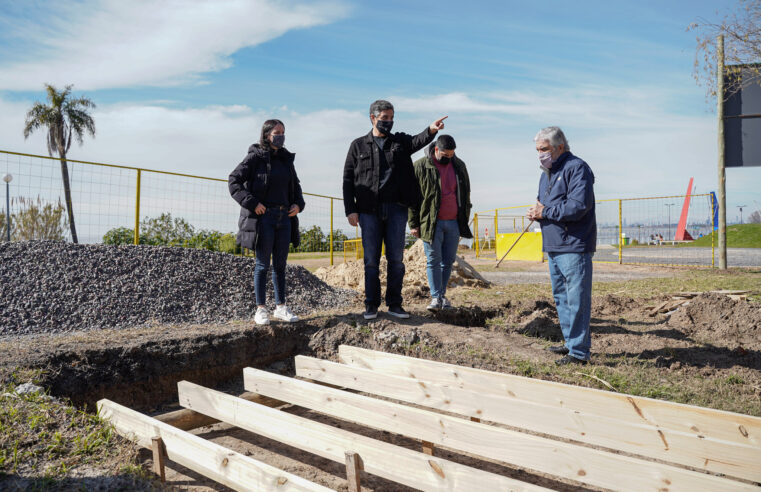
x: 398, y: 312
x: 370, y: 312
x: 558, y: 349
x: 569, y: 359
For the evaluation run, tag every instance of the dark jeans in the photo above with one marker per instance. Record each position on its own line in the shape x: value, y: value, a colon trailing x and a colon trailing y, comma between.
x: 274, y: 237
x: 387, y: 226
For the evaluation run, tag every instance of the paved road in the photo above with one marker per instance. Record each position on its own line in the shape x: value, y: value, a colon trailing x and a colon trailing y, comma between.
x: 505, y: 278
x: 669, y: 255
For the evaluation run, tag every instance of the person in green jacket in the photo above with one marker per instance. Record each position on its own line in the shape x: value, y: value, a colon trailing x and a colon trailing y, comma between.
x: 442, y: 216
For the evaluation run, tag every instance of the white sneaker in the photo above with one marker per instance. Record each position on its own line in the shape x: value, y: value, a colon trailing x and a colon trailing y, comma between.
x: 445, y: 304
x: 285, y: 314
x: 262, y: 316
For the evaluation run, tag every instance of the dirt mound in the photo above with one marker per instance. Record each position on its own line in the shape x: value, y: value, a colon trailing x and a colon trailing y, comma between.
x: 50, y: 286
x: 720, y: 319
x: 613, y: 305
x: 351, y: 275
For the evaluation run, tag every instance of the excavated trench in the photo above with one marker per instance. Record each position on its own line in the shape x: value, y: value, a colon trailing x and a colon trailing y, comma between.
x: 142, y: 372
x: 140, y: 368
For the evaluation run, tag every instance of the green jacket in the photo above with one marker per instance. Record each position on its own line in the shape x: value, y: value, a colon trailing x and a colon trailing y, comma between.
x: 424, y: 216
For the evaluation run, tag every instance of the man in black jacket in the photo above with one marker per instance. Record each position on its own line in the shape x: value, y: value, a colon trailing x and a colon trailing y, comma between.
x: 378, y: 187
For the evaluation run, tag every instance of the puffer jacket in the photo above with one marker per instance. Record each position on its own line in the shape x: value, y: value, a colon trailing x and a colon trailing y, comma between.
x: 425, y: 215
x: 248, y: 185
x: 567, y: 193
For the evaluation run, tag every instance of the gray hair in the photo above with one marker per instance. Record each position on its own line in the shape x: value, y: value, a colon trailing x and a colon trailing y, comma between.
x: 380, y: 105
x: 554, y: 135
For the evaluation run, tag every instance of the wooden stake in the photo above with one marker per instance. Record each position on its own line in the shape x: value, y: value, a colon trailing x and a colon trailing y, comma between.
x: 159, y: 457
x: 353, y: 467
x: 427, y: 448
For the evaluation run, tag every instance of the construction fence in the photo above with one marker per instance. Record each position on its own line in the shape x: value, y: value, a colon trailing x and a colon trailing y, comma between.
x: 117, y: 204
x: 629, y: 230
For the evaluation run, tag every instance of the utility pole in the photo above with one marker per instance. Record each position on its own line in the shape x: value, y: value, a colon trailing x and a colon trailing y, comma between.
x: 741, y: 212
x: 669, y: 205
x: 721, y: 195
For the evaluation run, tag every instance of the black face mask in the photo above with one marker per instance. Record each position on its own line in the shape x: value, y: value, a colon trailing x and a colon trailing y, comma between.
x: 278, y: 141
x: 384, y: 126
x: 444, y: 160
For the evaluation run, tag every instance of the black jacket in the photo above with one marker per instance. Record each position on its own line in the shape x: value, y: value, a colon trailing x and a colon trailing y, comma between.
x: 362, y: 170
x: 248, y: 185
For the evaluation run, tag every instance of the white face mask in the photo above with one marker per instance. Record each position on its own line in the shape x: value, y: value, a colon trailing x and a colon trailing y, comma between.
x: 545, y: 159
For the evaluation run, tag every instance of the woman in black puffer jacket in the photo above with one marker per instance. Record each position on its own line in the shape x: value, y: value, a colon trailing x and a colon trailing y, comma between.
x: 267, y: 188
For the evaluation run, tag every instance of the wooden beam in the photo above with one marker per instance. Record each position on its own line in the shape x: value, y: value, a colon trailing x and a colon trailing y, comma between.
x: 696, y: 421
x: 591, y: 466
x: 641, y: 439
x: 353, y: 468
x: 395, y: 463
x: 159, y: 457
x: 188, y: 419
x: 205, y: 457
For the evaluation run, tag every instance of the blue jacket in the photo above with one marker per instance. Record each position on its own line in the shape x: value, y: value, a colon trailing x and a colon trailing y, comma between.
x: 567, y: 193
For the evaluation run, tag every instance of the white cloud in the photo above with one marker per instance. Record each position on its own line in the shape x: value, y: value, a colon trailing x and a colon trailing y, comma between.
x: 649, y: 153
x: 102, y: 44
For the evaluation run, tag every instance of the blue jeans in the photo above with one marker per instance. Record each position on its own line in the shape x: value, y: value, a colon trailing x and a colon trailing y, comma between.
x: 440, y: 253
x: 273, y: 240
x: 571, y: 275
x: 387, y: 226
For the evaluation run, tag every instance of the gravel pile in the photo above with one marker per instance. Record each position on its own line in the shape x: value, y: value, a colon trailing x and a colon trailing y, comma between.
x: 52, y: 287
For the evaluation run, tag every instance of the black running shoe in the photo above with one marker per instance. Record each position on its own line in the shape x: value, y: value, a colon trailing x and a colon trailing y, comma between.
x: 398, y: 312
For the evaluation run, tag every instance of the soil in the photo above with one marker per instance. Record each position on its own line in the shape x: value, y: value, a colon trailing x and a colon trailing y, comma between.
x: 713, y: 337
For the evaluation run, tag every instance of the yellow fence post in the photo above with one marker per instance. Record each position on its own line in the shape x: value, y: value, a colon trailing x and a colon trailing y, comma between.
x: 331, y: 231
x: 496, y: 224
x: 620, y: 235
x: 137, y: 210
x: 475, y: 224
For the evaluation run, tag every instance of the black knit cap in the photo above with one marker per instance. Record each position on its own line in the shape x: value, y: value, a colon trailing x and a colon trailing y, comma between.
x: 445, y: 142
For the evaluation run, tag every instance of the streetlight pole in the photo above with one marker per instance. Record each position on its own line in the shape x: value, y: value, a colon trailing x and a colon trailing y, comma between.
x: 8, y: 178
x: 669, y: 205
x: 741, y: 212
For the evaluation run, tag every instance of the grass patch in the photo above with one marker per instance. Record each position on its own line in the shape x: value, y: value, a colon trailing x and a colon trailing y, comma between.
x: 43, y: 439
x: 738, y: 236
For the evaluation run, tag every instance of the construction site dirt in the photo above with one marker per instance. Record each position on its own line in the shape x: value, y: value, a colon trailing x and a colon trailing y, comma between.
x: 650, y: 338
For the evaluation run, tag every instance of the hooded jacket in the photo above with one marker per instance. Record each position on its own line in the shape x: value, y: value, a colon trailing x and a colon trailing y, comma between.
x: 424, y: 216
x: 568, y: 221
x: 248, y: 185
x: 361, y: 177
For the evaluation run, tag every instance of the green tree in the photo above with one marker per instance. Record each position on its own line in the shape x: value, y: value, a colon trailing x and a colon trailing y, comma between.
x: 36, y: 219
x: 741, y: 28
x: 166, y: 231
x: 338, y: 240
x: 313, y: 239
x: 63, y: 116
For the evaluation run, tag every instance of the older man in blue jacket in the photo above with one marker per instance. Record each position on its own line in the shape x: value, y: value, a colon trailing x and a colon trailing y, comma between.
x: 565, y: 209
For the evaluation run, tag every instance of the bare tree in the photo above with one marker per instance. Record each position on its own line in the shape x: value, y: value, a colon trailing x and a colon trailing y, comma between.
x: 755, y: 217
x: 61, y: 117
x: 741, y: 28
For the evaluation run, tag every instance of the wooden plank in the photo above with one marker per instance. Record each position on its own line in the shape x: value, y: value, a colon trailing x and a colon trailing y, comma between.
x: 697, y: 421
x: 562, y: 459
x: 353, y: 467
x: 205, y: 457
x: 188, y: 419
x: 159, y: 458
x: 641, y: 439
x: 395, y: 463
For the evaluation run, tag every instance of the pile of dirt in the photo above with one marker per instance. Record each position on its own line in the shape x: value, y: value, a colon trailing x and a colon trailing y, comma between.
x: 51, y: 286
x: 720, y: 319
x: 351, y: 275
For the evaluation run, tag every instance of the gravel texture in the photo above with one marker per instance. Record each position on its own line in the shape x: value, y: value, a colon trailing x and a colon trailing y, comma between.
x: 53, y: 287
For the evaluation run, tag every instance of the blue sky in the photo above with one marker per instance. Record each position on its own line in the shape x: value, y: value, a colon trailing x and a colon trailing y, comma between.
x: 185, y: 86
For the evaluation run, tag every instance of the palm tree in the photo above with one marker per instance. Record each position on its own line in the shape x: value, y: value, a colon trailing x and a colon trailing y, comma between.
x: 62, y: 117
